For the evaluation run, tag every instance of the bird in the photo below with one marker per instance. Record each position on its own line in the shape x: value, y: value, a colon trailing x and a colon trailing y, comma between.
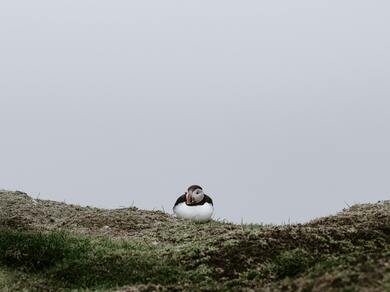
x: 194, y: 205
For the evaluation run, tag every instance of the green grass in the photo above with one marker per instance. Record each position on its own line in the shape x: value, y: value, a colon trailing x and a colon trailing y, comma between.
x: 81, y: 261
x: 38, y: 251
x: 151, y: 250
x: 74, y: 261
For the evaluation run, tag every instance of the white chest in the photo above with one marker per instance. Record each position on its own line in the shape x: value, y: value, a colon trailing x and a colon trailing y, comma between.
x: 200, y: 213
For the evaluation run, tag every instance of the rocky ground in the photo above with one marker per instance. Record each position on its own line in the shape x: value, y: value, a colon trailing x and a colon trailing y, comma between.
x: 52, y: 246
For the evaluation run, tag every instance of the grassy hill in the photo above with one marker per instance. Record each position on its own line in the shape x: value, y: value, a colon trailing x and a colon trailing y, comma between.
x: 52, y: 246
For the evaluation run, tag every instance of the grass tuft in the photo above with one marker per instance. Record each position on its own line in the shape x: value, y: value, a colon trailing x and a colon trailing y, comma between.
x: 291, y: 263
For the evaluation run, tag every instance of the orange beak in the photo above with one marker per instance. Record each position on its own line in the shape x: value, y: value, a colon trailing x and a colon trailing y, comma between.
x: 188, y: 199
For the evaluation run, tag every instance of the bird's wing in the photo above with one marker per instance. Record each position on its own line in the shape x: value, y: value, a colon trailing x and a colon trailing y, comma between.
x: 208, y: 199
x: 180, y: 199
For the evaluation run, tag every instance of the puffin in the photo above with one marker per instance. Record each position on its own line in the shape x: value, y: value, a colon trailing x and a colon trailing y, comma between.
x: 194, y: 205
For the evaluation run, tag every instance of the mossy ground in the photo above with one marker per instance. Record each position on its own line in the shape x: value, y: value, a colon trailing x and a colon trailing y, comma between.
x: 50, y: 246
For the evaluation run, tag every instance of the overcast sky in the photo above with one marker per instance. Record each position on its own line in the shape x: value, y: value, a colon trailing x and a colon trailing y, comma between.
x: 279, y: 109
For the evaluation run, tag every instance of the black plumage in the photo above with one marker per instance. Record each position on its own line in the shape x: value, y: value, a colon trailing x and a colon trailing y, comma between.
x: 182, y: 199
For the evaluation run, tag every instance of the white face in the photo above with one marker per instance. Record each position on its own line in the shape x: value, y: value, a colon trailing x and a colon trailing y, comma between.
x: 197, y: 195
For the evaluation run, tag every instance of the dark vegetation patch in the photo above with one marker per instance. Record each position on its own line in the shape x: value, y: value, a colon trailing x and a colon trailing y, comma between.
x: 47, y: 245
x: 314, y: 244
x: 291, y: 263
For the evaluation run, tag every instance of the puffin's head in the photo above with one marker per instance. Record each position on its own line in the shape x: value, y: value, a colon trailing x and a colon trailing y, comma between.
x: 194, y: 195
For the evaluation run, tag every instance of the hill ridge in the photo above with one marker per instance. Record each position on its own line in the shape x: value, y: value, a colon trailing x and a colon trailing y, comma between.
x: 349, y: 250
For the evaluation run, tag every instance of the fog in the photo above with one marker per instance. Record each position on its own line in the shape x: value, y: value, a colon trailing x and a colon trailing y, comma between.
x: 280, y: 110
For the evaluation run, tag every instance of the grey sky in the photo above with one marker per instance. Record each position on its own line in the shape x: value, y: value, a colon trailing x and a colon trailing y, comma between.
x: 280, y: 109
